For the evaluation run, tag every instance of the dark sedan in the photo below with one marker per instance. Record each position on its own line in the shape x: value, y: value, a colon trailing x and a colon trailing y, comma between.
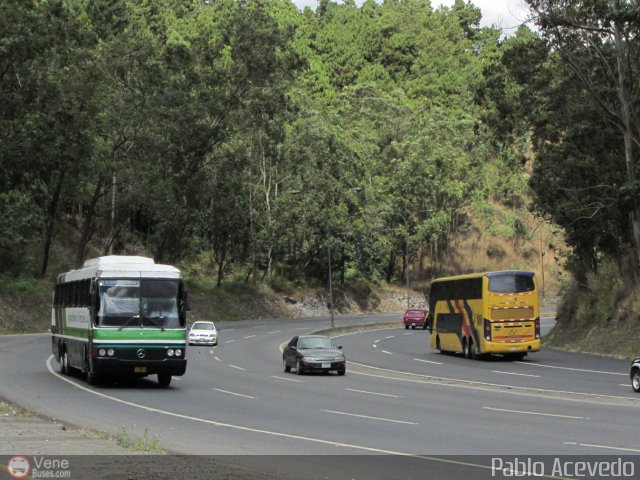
x: 313, y: 353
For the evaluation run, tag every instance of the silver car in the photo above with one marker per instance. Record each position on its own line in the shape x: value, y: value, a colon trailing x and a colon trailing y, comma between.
x: 203, y: 333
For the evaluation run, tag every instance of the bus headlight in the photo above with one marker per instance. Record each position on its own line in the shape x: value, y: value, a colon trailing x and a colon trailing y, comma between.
x: 170, y: 352
x: 102, y: 352
x: 178, y: 352
x: 111, y: 352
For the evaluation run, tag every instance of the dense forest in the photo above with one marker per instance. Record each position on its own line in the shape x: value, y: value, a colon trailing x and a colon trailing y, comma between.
x: 259, y: 139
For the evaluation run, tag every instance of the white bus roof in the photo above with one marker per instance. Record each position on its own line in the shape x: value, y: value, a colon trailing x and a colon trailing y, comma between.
x: 120, y: 266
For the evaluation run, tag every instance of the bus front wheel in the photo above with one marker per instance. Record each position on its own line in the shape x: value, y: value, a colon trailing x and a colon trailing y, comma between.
x: 64, y: 362
x: 91, y: 376
x: 164, y: 379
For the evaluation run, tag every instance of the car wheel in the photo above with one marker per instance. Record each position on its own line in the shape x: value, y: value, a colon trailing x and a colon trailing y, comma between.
x: 424, y: 326
x: 164, y: 379
x: 342, y: 372
x: 406, y: 327
x: 298, y: 367
x: 635, y: 380
x: 287, y: 368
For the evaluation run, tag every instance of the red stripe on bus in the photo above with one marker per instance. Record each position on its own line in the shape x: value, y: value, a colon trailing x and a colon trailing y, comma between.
x: 465, y: 325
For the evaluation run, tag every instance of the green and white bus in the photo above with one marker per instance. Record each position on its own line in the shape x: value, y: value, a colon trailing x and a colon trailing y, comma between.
x: 120, y: 315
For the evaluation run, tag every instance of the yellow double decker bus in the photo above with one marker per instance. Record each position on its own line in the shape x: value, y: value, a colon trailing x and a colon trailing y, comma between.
x: 484, y: 313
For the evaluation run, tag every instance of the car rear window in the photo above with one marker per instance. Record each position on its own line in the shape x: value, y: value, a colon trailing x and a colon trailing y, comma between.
x: 511, y: 283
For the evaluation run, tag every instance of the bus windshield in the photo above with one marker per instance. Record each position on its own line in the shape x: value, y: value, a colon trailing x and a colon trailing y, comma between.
x: 511, y: 283
x: 138, y: 303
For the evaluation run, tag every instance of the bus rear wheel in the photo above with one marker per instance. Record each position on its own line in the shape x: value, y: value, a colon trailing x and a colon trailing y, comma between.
x: 164, y: 379
x: 466, y: 348
x: 472, y: 350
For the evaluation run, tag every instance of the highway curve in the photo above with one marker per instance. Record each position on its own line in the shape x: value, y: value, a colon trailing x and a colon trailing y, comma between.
x: 400, y: 402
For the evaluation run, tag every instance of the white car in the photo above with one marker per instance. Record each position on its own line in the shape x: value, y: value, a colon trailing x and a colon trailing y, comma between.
x: 203, y: 333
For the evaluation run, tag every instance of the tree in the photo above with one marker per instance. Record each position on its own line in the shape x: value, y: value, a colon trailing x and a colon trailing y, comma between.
x: 599, y: 41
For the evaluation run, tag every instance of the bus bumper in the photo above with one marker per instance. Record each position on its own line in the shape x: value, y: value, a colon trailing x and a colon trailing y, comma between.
x: 169, y: 366
x: 507, y: 347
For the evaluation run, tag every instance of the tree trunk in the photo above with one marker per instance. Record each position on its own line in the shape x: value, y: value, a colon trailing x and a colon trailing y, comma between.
x: 51, y: 220
x: 88, y: 220
x: 625, y: 117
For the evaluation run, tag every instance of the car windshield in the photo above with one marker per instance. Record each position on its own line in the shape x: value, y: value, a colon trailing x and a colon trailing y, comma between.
x: 203, y: 326
x: 138, y: 303
x: 315, y: 342
x: 414, y: 312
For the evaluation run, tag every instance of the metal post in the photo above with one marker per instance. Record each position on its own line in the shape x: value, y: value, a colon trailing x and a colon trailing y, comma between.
x: 406, y: 267
x: 330, y: 287
x: 542, y: 252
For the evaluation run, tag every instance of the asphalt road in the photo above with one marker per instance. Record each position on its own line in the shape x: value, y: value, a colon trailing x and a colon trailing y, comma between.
x: 401, y: 402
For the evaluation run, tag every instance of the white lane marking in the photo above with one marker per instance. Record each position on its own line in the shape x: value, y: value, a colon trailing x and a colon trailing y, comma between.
x: 375, y: 346
x: 377, y: 340
x: 373, y: 393
x: 409, y: 333
x: 388, y: 353
x: 275, y: 331
x: 248, y: 336
x: 607, y: 447
x: 569, y: 368
x: 234, y: 393
x: 229, y: 341
x: 287, y: 379
x: 427, y: 361
x: 231, y: 426
x: 371, y: 418
x: 390, y: 336
x: 217, y: 359
x: 474, y: 385
x: 237, y: 367
x: 519, y: 374
x: 542, y: 414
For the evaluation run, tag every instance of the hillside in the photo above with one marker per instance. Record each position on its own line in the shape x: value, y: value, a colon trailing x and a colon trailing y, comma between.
x: 480, y: 245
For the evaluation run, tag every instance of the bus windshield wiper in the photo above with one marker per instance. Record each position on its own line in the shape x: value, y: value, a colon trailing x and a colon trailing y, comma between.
x: 128, y: 321
x: 155, y: 324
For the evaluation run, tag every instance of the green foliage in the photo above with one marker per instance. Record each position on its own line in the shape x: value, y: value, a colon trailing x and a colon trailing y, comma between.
x: 252, y: 139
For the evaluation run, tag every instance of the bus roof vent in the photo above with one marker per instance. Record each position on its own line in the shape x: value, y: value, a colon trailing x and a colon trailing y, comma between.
x: 118, y: 260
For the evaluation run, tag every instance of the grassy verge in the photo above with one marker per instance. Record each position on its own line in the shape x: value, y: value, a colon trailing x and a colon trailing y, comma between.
x: 602, y: 315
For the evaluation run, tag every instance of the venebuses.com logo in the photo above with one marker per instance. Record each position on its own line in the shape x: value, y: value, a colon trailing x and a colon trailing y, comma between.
x: 38, y: 467
x: 18, y: 467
